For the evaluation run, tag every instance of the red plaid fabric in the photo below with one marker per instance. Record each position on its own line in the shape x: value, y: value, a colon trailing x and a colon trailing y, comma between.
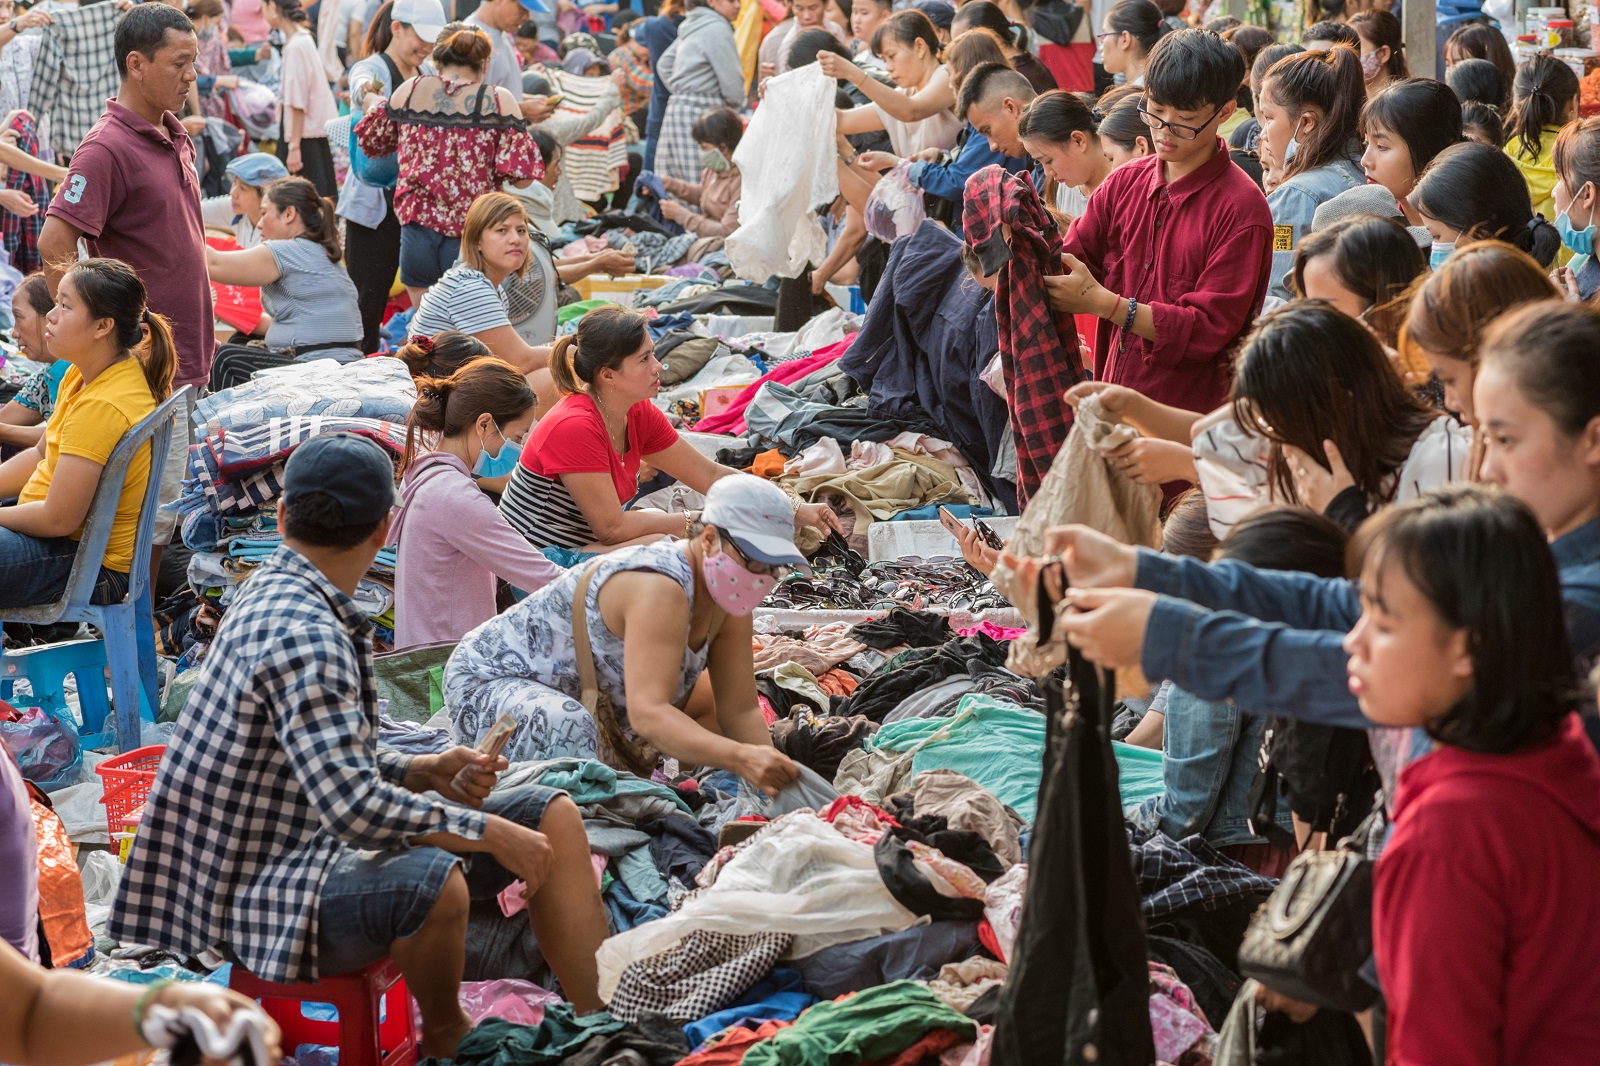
x: 21, y: 235
x: 1038, y: 346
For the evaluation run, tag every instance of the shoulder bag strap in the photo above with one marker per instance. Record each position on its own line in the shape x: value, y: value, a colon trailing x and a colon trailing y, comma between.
x: 587, y: 681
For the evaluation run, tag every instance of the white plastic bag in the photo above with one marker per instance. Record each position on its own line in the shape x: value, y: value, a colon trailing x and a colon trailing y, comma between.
x: 787, y: 163
x: 894, y: 209
x: 800, y: 876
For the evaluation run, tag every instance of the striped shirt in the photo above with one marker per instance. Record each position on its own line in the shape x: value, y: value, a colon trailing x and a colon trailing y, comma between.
x: 463, y: 299
x: 312, y: 302
x: 542, y: 510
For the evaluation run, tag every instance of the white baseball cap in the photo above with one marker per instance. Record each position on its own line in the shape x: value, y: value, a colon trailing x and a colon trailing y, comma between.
x: 757, y: 516
x: 425, y: 17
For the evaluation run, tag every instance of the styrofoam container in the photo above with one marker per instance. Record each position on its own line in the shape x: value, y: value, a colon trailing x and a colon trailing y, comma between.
x: 887, y: 541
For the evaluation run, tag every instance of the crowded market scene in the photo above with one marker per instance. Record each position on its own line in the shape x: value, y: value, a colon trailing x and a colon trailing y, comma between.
x: 799, y: 532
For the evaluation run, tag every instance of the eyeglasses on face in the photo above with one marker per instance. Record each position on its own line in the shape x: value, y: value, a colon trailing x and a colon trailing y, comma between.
x: 1178, y: 129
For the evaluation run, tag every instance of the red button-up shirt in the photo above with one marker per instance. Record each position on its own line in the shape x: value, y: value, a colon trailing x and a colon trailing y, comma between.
x: 1198, y: 251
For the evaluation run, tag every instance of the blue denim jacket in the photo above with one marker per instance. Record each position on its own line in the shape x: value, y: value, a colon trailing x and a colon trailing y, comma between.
x: 1272, y: 642
x: 1209, y: 749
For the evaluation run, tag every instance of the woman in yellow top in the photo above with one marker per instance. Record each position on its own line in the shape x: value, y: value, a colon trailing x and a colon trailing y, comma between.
x: 1544, y: 98
x: 122, y: 362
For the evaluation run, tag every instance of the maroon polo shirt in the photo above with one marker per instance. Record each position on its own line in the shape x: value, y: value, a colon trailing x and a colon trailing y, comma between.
x: 1198, y: 251
x: 135, y: 195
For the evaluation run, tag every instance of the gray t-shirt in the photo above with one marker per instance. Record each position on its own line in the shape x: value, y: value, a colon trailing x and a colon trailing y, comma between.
x: 312, y: 302
x: 464, y: 299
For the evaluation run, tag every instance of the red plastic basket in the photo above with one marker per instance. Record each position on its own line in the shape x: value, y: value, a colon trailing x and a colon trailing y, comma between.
x: 127, y: 782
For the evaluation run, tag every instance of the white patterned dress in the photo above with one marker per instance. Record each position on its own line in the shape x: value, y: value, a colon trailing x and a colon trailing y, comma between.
x: 523, y: 663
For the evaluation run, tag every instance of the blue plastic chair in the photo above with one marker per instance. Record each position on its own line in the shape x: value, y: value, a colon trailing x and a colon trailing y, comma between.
x: 127, y: 627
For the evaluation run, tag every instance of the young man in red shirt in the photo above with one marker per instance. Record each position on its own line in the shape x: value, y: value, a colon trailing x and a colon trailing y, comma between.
x: 1175, y: 250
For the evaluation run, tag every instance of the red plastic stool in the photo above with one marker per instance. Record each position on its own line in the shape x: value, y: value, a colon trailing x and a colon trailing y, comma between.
x: 362, y: 1039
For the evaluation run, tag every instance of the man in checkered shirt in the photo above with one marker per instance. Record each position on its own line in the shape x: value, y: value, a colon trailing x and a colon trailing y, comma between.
x: 279, y: 834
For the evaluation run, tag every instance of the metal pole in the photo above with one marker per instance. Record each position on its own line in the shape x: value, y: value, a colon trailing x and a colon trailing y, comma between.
x: 1420, y: 31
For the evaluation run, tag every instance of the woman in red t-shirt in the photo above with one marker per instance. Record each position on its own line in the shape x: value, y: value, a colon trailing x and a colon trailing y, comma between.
x: 581, y: 463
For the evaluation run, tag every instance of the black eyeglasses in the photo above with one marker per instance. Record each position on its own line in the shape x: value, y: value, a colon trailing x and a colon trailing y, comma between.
x: 1179, y: 130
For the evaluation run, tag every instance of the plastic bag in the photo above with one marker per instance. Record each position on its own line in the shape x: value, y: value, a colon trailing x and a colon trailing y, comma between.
x: 101, y: 874
x: 800, y: 876
x: 47, y: 750
x: 510, y: 999
x: 895, y: 207
x: 256, y: 107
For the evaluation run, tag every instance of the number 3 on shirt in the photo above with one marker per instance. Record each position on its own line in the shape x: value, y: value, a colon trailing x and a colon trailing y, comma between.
x: 75, y: 184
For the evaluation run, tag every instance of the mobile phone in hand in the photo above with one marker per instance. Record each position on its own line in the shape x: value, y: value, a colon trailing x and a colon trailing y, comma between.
x: 950, y: 522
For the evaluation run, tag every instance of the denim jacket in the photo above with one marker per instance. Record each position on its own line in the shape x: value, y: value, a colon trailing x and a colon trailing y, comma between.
x: 1272, y: 642
x: 1209, y: 749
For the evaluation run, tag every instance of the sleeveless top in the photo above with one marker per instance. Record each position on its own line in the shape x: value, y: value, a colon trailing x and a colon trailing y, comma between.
x: 533, y: 640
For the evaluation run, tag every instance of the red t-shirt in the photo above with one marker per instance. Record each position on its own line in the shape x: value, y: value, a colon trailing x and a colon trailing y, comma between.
x: 134, y: 195
x: 572, y: 439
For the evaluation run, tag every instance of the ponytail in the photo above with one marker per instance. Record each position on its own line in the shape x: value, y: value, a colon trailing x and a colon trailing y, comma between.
x: 111, y: 289
x: 158, y: 355
x: 1331, y: 82
x: 449, y: 405
x: 441, y: 355
x: 1545, y: 87
x: 314, y: 210
x: 562, y: 371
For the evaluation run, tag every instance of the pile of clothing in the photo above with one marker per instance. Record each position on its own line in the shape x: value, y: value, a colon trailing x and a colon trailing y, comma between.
x: 242, y: 439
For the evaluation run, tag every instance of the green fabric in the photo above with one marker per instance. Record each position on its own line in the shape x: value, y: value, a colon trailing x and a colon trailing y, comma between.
x: 496, y: 1042
x: 589, y: 781
x: 1139, y: 773
x: 572, y: 312
x: 410, y: 680
x: 1001, y: 746
x: 176, y: 696
x: 867, y: 1026
x: 435, y: 690
x: 241, y: 57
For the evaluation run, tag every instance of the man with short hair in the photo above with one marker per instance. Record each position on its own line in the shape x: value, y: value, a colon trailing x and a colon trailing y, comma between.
x: 132, y: 193
x: 500, y: 20
x: 1174, y: 251
x: 807, y: 15
x: 993, y: 98
x: 277, y: 831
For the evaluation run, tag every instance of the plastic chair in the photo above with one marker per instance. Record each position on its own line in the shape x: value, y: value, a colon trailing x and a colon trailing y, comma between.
x: 127, y: 627
x: 363, y: 1036
x: 46, y: 668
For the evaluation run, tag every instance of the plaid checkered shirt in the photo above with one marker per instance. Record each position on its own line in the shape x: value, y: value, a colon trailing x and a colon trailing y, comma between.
x: 1038, y: 345
x: 272, y: 773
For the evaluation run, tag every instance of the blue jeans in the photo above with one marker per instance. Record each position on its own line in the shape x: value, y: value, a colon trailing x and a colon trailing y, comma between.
x: 34, y: 571
x: 371, y: 899
x: 425, y: 255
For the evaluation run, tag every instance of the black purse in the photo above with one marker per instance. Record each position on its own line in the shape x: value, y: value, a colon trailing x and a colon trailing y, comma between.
x: 1313, y: 935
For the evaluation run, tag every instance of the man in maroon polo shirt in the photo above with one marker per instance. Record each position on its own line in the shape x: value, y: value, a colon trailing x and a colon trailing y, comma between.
x: 132, y: 193
x: 1174, y: 251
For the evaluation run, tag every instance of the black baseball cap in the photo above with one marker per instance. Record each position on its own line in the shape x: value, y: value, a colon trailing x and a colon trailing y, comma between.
x: 353, y: 471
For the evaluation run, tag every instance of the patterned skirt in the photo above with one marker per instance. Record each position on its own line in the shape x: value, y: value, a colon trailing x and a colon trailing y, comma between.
x: 677, y: 152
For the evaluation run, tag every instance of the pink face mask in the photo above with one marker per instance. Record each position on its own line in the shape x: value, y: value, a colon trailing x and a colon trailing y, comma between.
x: 1370, y: 65
x: 733, y: 588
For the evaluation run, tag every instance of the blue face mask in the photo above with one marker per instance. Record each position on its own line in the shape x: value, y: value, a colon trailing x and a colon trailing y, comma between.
x: 501, y: 463
x: 1291, y: 149
x: 1580, y: 241
x: 1441, y: 252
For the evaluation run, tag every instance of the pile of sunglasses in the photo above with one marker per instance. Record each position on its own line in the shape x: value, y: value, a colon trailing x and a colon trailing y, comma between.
x: 843, y: 580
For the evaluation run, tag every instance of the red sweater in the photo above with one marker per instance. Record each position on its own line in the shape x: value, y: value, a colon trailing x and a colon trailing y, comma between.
x: 1486, y: 915
x: 1199, y: 253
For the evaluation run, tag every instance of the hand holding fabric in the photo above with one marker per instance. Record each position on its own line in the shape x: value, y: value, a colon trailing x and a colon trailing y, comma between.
x: 1154, y: 462
x: 837, y: 66
x: 1093, y: 560
x: 1108, y: 625
x: 1077, y: 291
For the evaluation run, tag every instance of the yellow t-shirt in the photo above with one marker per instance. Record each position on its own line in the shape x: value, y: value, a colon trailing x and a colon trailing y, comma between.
x: 88, y: 422
x: 1540, y: 174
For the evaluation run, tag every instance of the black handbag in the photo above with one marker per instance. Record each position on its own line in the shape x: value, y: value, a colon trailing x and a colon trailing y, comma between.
x: 1313, y: 935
